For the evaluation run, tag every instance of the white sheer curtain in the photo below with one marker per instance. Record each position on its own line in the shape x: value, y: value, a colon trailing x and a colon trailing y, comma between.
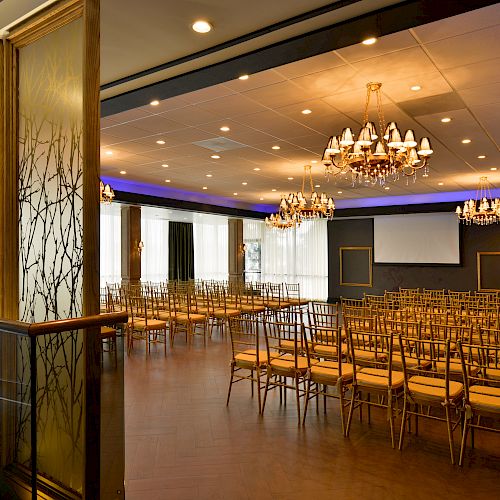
x: 154, y: 235
x: 210, y: 235
x: 294, y: 255
x: 110, y: 243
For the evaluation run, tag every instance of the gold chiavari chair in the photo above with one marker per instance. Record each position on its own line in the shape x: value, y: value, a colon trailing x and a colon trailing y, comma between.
x: 481, y: 388
x: 345, y: 302
x: 293, y: 296
x: 285, y: 370
x: 249, y: 357
x: 275, y: 297
x: 218, y: 309
x: 432, y: 389
x: 247, y: 304
x: 327, y: 372
x: 187, y: 321
x: 324, y: 307
x: 373, y: 375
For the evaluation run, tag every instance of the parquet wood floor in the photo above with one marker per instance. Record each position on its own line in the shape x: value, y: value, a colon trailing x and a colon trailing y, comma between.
x: 183, y: 443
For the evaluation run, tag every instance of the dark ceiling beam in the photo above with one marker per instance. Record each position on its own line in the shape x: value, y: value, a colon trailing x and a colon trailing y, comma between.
x: 392, y: 19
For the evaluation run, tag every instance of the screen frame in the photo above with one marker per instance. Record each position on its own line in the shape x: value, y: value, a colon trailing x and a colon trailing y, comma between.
x: 420, y: 264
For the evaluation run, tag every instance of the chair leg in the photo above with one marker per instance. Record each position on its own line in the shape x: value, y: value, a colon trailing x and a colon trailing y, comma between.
x: 342, y: 407
x: 306, y: 404
x: 391, y: 418
x: 251, y: 380
x: 403, y: 426
x: 265, y: 393
x: 450, y: 433
x: 297, y: 396
x: 257, y: 371
x: 463, y: 444
x: 230, y: 384
x: 351, y: 409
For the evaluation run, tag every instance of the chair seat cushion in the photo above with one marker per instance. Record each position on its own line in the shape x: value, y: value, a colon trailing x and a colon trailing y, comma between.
x: 376, y: 378
x: 325, y: 350
x: 228, y: 313
x: 327, y: 372
x: 252, y: 309
x: 191, y: 318
x: 433, y: 389
x: 455, y: 367
x: 107, y: 332
x: 295, y: 302
x: 411, y: 363
x: 286, y: 364
x: 484, y: 399
x: 248, y: 358
x: 363, y: 355
x: 289, y: 345
x: 152, y: 324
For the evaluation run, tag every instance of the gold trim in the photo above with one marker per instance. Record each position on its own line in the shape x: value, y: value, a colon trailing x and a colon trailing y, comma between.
x: 45, y: 22
x: 370, y: 269
x: 478, y: 261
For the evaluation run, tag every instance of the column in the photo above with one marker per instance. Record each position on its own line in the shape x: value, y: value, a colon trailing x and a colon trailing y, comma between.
x: 131, y: 237
x: 236, y: 252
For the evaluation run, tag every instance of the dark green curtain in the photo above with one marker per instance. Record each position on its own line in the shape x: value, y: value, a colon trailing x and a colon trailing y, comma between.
x: 180, y: 251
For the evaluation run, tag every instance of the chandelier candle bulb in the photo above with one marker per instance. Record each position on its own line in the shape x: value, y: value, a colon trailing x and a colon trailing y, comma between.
x: 347, y: 138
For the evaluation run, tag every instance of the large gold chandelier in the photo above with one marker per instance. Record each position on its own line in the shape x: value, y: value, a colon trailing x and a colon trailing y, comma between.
x: 374, y: 157
x: 310, y: 205
x: 484, y: 210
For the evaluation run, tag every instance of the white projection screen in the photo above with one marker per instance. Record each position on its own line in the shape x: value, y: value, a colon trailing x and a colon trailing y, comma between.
x: 416, y: 239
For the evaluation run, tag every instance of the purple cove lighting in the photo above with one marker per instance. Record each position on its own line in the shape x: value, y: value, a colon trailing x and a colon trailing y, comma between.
x: 179, y: 194
x: 411, y: 199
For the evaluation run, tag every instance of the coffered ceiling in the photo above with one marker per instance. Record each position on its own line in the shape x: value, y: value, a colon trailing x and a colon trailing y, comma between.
x: 455, y: 61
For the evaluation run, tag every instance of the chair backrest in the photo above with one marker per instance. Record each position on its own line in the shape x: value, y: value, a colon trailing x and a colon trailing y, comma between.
x: 489, y: 336
x: 244, y: 334
x: 277, y: 333
x: 480, y: 365
x: 323, y: 320
x: 323, y: 307
x: 315, y: 336
x: 292, y: 291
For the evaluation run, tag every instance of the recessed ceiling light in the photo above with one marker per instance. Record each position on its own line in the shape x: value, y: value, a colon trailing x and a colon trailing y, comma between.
x: 205, y: 187
x: 215, y: 157
x: 209, y: 175
x: 243, y: 77
x: 261, y: 199
x: 369, y: 41
x: 387, y: 188
x: 440, y: 183
x: 109, y: 153
x: 314, y: 161
x: 167, y: 180
x: 160, y: 142
x: 317, y: 185
x: 482, y: 157
x: 201, y: 26
x: 276, y: 147
x: 466, y: 141
x: 273, y: 190
x: 164, y: 165
x: 425, y: 175
x: 244, y: 183
x: 290, y: 178
x: 306, y: 111
x: 235, y: 194
x: 224, y: 129
x: 339, y: 192
x: 123, y: 172
x: 446, y: 120
x: 154, y: 103
x: 256, y: 169
x: 493, y: 168
x: 416, y: 88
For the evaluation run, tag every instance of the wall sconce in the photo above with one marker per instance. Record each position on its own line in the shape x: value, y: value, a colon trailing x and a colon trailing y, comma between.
x: 140, y: 247
x: 242, y: 249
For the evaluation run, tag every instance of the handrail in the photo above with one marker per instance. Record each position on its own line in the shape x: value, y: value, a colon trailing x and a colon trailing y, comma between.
x: 61, y: 325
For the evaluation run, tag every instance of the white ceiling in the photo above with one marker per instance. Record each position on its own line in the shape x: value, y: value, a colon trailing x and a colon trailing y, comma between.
x: 136, y: 36
x: 455, y: 61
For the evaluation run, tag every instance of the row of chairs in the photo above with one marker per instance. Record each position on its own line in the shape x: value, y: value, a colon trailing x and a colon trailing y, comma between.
x: 375, y: 362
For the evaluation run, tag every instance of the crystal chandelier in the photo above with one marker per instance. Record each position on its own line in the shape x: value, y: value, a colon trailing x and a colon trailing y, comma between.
x: 106, y: 193
x: 282, y: 221
x: 374, y: 157
x: 484, y: 210
x: 313, y: 206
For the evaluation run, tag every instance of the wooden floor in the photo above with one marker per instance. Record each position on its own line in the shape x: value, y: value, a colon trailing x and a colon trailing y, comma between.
x: 182, y: 442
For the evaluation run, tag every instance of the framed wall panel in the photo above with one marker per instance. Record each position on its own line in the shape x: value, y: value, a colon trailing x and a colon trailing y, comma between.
x: 356, y: 266
x: 488, y: 270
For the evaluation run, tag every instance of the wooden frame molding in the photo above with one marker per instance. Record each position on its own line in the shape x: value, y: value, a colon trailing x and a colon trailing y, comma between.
x: 370, y: 267
x: 479, y: 281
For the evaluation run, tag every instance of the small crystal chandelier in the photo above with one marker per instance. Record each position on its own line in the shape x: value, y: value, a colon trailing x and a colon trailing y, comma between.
x: 282, y: 221
x: 106, y: 193
x: 321, y: 205
x: 484, y: 210
x: 374, y: 157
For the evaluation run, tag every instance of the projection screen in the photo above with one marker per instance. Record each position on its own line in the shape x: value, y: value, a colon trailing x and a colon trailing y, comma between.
x: 416, y: 239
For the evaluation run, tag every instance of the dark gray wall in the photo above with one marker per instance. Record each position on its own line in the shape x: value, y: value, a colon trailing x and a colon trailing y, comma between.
x: 359, y: 232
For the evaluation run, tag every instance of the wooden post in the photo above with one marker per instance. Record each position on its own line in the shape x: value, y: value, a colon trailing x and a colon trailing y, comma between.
x: 131, y: 236
x: 236, y: 252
